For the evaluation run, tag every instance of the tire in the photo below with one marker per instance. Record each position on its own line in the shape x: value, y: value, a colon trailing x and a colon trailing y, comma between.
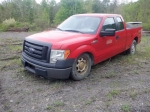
x: 132, y: 49
x: 81, y: 67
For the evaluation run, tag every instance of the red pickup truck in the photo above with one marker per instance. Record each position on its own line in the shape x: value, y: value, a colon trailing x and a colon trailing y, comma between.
x: 78, y: 43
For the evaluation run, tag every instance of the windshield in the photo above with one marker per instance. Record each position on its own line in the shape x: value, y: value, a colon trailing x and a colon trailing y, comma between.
x: 80, y: 24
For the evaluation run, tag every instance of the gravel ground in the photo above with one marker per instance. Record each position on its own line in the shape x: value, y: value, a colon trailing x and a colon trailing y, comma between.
x: 120, y: 84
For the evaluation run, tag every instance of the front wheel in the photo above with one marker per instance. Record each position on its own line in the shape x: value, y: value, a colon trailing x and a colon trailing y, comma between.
x: 132, y: 49
x: 81, y: 67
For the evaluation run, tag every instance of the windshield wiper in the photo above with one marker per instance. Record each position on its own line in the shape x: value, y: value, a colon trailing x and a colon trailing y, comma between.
x: 74, y: 31
x: 59, y: 29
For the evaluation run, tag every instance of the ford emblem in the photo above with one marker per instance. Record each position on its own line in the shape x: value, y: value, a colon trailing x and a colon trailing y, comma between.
x: 31, y: 50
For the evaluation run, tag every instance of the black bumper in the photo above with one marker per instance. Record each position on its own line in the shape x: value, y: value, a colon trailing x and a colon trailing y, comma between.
x: 60, y: 70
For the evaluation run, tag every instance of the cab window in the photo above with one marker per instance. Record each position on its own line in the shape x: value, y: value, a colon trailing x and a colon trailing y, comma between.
x: 120, y: 23
x: 109, y: 24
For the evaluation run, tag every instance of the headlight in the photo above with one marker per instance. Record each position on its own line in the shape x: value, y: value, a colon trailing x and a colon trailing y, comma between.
x: 58, y: 55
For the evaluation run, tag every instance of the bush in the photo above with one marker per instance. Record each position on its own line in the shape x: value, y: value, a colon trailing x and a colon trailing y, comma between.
x: 9, y: 22
x: 22, y: 25
x: 38, y: 25
x: 146, y: 26
x: 41, y: 23
x: 3, y: 27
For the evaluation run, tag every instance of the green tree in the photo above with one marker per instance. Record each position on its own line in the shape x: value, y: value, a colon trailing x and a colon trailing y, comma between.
x: 68, y: 8
x: 88, y: 6
x: 97, y: 6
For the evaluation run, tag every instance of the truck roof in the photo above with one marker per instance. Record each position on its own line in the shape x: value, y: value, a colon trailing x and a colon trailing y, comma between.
x: 97, y: 14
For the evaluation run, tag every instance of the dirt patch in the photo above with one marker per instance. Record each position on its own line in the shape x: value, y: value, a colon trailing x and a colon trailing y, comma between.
x: 121, y: 84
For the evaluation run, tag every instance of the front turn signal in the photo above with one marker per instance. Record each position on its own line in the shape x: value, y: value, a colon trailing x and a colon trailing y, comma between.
x: 66, y: 54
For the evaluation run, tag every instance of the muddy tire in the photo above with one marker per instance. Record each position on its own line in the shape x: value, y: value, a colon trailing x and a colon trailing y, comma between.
x: 81, y: 67
x: 132, y: 49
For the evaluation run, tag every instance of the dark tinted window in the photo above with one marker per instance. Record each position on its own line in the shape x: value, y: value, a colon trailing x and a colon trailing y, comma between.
x: 120, y: 24
x: 109, y: 24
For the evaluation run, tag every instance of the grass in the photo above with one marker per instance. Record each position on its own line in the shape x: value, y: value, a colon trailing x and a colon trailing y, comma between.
x: 58, y: 103
x: 15, y: 48
x: 18, y: 62
x: 133, y: 94
x: 39, y: 89
x: 56, y: 85
x: 136, y: 72
x: 143, y: 51
x: 107, y: 104
x: 6, y: 105
x: 126, y: 108
x: 112, y: 94
x: 110, y: 74
x: 88, y: 102
x: 49, y: 107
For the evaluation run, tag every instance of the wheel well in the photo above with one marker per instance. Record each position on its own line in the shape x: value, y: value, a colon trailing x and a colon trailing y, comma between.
x: 91, y: 56
x: 136, y: 38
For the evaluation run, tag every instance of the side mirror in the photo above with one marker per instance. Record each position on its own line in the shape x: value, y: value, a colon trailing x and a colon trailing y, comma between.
x: 108, y: 32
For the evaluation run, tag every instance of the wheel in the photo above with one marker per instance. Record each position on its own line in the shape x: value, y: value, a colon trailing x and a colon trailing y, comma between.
x: 81, y: 67
x: 132, y: 49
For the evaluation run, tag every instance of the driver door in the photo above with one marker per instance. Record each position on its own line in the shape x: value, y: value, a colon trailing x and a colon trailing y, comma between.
x: 107, y: 43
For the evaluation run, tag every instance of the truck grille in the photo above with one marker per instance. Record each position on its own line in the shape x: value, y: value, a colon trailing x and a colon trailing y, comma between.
x: 36, y: 51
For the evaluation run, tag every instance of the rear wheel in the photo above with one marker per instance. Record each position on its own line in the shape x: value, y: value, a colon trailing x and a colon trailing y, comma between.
x: 132, y: 49
x: 81, y: 67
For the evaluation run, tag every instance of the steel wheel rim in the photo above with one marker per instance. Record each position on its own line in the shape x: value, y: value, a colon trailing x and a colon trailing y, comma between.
x: 133, y: 49
x: 82, y: 66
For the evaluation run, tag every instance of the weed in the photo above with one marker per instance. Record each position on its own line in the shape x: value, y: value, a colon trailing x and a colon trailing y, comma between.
x: 88, y: 88
x: 107, y: 104
x: 146, y: 90
x: 13, y: 76
x: 113, y: 93
x: 136, y: 72
x: 114, y: 84
x: 17, y: 102
x: 39, y: 89
x: 6, y: 105
x: 110, y: 74
x: 109, y: 96
x: 144, y: 39
x: 48, y: 107
x: 88, y: 102
x: 58, y: 103
x: 15, y: 48
x: 126, y: 108
x: 57, y: 85
x: 147, y: 49
x: 18, y: 62
x: 133, y: 94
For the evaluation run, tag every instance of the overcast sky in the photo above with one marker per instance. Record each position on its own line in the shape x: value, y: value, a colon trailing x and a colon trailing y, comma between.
x: 39, y: 1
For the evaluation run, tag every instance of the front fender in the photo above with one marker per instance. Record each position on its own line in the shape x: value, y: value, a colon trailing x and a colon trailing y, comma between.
x: 83, y: 49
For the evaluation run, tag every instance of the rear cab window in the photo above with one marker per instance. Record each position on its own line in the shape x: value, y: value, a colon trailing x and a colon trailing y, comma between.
x: 120, y: 25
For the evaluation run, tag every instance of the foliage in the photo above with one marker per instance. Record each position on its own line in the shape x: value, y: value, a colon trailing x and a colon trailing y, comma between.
x: 49, y: 12
x: 68, y: 8
x: 9, y: 22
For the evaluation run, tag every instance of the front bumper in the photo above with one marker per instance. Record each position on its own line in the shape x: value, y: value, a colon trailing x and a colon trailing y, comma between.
x: 60, y: 70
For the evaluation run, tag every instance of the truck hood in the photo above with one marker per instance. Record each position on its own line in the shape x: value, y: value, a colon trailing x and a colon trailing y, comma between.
x: 58, y: 38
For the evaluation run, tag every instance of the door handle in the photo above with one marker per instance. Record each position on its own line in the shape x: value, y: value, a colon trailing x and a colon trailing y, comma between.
x: 117, y: 37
